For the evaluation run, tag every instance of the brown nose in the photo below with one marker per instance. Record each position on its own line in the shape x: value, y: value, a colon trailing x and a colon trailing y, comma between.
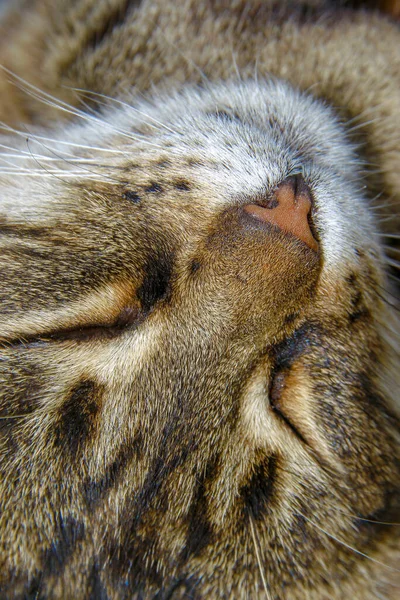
x: 288, y: 209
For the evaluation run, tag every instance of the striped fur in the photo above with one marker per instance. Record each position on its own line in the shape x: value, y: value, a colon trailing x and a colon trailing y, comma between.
x: 194, y: 404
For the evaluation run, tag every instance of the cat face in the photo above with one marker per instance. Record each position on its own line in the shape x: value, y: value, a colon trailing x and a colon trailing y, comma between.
x: 196, y: 391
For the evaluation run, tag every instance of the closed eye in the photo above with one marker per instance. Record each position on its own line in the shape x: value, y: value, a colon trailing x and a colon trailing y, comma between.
x: 129, y: 317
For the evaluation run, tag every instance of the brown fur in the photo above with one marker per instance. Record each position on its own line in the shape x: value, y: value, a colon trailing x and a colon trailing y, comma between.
x: 193, y: 405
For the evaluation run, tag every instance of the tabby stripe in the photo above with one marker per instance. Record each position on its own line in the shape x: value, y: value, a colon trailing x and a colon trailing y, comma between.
x: 94, y: 491
x: 77, y: 416
x: 258, y: 492
x: 114, y: 19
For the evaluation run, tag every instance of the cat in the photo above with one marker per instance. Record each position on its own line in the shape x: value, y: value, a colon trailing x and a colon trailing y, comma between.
x: 199, y: 324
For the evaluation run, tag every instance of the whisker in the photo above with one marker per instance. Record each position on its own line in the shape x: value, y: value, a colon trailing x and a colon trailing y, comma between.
x: 346, y: 545
x: 50, y: 100
x: 391, y: 248
x: 392, y: 262
x: 42, y: 166
x: 364, y: 113
x: 45, y: 158
x: 394, y: 306
x: 354, y: 516
x: 375, y: 199
x: 90, y: 110
x: 258, y: 556
x: 386, y: 218
x: 363, y: 124
x: 79, y: 165
x: 10, y: 164
x: 395, y: 279
x: 125, y: 105
x: 15, y: 416
x: 235, y: 65
x: 20, y: 154
x: 49, y: 174
x: 390, y: 203
x: 92, y: 119
x: 57, y: 141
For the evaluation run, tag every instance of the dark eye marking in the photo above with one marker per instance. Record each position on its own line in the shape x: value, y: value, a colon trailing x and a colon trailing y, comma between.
x: 156, y: 283
x: 154, y: 188
x: 77, y: 416
x: 132, y: 196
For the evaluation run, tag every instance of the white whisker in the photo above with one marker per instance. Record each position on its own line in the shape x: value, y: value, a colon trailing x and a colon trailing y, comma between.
x: 362, y: 115
x: 235, y: 65
x: 391, y: 248
x: 392, y: 262
x: 73, y: 164
x: 73, y: 144
x: 258, y: 556
x: 301, y: 481
x: 387, y: 218
x: 128, y: 106
x: 15, y: 416
x: 45, y: 158
x: 9, y: 163
x: 57, y: 174
x: 395, y: 236
x: 90, y: 118
x: 50, y: 100
x: 361, y: 125
x: 346, y: 545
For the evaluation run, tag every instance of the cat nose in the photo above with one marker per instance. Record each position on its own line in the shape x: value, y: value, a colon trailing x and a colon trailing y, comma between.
x: 289, y: 209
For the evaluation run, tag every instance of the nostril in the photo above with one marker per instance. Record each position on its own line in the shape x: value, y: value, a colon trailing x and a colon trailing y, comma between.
x: 289, y: 209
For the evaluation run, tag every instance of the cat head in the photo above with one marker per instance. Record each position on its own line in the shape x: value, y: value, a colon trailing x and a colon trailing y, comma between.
x: 199, y: 384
